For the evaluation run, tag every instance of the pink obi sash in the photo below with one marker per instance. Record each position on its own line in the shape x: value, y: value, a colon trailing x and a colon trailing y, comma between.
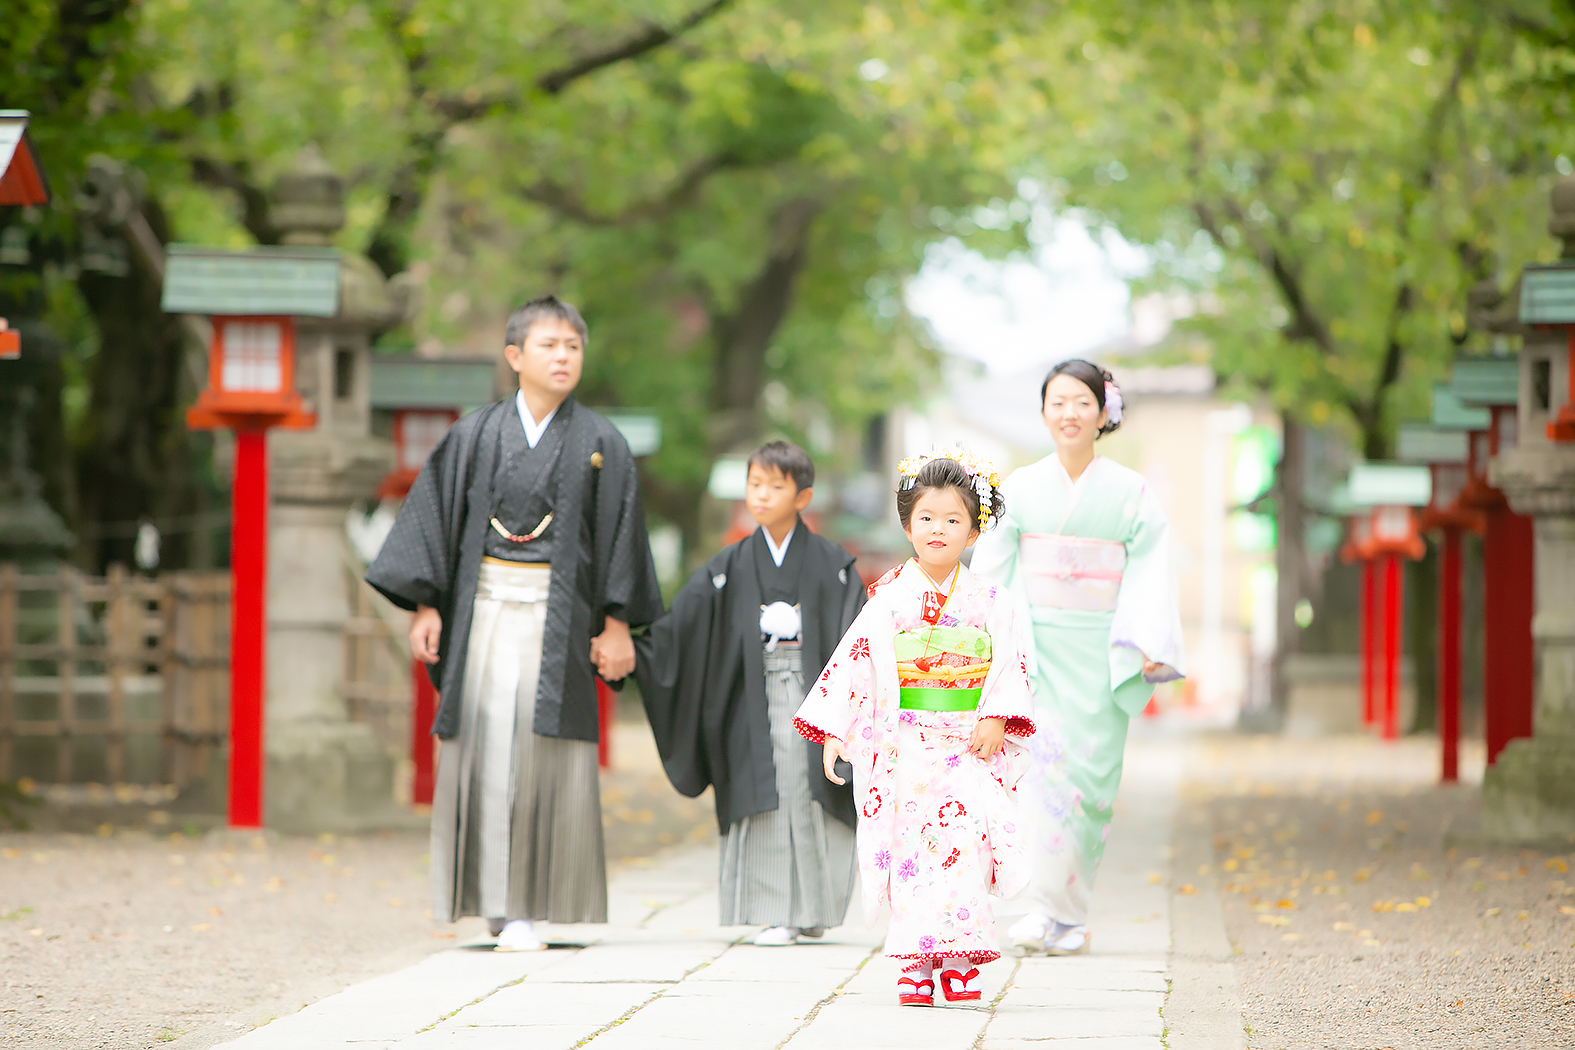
x: 1070, y: 572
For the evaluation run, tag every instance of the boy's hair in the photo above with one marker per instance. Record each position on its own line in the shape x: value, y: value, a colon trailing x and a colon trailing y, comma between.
x: 942, y: 473
x: 548, y: 306
x: 786, y: 458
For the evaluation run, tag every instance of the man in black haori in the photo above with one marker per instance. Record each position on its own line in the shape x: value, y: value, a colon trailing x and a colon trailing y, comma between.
x: 522, y: 538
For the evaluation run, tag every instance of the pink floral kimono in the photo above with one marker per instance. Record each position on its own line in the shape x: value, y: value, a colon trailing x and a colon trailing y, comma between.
x: 939, y: 831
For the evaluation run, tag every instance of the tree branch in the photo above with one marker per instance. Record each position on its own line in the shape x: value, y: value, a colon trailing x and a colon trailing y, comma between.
x: 566, y: 201
x: 649, y: 38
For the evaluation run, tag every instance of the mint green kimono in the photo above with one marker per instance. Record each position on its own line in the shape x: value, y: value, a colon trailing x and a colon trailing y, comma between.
x: 1089, y: 565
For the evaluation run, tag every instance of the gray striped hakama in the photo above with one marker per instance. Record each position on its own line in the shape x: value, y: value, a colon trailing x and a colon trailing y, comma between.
x: 516, y: 817
x: 792, y: 866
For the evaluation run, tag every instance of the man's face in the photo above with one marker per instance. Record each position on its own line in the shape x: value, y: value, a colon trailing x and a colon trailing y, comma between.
x: 551, y: 360
x: 772, y: 497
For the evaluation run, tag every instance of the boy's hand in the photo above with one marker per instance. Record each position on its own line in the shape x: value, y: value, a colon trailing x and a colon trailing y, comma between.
x: 426, y: 631
x: 613, y: 651
x: 988, y: 736
x: 830, y: 752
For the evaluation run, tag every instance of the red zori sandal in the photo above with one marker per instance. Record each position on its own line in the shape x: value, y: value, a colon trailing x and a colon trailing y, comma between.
x: 912, y: 992
x: 959, y: 987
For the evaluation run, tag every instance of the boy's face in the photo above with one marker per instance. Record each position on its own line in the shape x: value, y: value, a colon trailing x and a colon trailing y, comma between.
x: 773, y: 498
x: 551, y: 360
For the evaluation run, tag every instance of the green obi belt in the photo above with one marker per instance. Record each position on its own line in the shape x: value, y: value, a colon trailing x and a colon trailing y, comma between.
x: 916, y: 698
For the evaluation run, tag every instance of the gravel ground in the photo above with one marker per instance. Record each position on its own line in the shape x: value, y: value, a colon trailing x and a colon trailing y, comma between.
x: 1356, y: 924
x: 139, y: 936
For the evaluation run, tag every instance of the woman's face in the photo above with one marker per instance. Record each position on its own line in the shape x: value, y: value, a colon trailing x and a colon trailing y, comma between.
x: 1072, y: 413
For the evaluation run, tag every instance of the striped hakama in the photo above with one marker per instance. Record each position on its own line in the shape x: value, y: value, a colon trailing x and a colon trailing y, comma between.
x: 516, y: 817
x: 792, y: 866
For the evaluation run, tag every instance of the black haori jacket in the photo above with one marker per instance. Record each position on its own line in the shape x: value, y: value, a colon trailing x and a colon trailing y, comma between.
x: 601, y: 560
x: 702, y: 676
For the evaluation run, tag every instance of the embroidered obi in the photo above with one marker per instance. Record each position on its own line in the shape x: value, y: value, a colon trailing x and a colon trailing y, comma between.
x: 942, y: 668
x: 1070, y: 572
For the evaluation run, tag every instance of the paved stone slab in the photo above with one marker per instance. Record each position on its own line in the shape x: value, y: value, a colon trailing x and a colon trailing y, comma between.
x: 663, y: 976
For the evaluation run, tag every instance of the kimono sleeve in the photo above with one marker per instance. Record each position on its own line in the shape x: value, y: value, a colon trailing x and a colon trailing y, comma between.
x: 1007, y: 693
x: 627, y: 584
x: 846, y: 684
x: 1146, y: 619
x: 415, y: 565
x: 671, y: 661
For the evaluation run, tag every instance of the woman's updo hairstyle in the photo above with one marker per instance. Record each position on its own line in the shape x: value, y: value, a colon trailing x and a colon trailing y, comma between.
x: 944, y: 473
x: 1097, y: 379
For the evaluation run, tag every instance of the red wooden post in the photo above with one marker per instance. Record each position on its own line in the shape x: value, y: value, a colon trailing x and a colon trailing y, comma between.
x: 423, y: 711
x: 1449, y: 655
x: 248, y: 626
x: 1367, y: 629
x: 1394, y: 598
x: 1562, y: 428
x: 1508, y: 569
x: 606, y: 708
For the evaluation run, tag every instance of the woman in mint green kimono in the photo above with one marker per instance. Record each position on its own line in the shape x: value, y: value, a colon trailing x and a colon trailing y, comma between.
x: 1084, y: 549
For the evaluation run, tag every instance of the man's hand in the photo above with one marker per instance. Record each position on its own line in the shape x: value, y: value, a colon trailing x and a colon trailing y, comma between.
x: 612, y: 651
x: 426, y: 630
x: 988, y: 736
x: 831, y: 750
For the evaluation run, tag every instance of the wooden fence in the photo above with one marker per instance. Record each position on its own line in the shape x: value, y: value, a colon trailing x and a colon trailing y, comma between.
x: 124, y: 679
x: 113, y: 679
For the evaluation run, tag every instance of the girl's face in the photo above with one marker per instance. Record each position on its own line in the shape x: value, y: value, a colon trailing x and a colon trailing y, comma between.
x: 940, y: 529
x: 1072, y: 413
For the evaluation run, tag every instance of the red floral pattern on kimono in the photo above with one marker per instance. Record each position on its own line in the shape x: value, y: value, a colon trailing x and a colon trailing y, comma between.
x: 939, y: 833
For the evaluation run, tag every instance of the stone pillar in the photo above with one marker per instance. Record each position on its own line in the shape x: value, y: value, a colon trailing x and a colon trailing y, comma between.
x: 1528, y: 796
x: 325, y: 772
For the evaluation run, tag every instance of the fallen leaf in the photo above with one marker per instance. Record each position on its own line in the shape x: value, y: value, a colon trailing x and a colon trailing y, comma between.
x: 1364, y: 933
x: 1558, y: 864
x: 105, y: 831
x: 274, y: 885
x: 443, y: 936
x: 1286, y: 903
x: 1190, y: 890
x: 1345, y: 925
x: 36, y: 933
x: 1290, y: 936
x: 1274, y: 920
x: 1203, y: 869
x: 1231, y: 865
x: 1424, y: 902
x: 215, y: 911
x: 329, y: 898
x: 10, y: 854
x: 1246, y: 852
x: 1362, y: 875
x: 202, y: 926
x: 1386, y: 906
x: 1374, y: 817
x: 1565, y: 909
x: 395, y: 902
x: 1491, y: 912
x: 1155, y: 878
x: 1405, y: 906
x: 1523, y: 916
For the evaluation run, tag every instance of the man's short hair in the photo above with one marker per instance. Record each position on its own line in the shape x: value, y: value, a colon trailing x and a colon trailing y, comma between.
x: 548, y: 306
x: 787, y: 458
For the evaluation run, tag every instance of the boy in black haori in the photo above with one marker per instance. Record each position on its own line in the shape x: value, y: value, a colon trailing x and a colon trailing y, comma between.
x: 722, y: 675
x: 522, y: 551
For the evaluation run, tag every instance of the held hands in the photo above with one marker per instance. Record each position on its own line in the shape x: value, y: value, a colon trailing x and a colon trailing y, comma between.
x: 612, y: 651
x: 988, y: 736
x: 426, y: 631
x: 831, y: 751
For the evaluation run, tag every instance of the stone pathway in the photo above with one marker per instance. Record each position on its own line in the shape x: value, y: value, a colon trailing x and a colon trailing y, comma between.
x: 662, y: 974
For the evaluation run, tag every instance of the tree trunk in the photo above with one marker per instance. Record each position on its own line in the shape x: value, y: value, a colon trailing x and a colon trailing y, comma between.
x: 1290, y: 553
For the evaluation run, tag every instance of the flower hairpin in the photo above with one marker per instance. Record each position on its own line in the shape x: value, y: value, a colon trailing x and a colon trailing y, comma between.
x: 1113, y: 402
x: 981, y: 472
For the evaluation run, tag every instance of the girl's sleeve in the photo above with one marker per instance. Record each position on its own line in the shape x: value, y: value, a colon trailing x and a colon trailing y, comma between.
x: 1146, y: 620
x: 1007, y: 693
x: 834, y: 699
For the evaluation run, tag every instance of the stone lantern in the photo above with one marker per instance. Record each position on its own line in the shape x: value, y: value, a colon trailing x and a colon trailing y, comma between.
x: 1529, y: 794
x: 324, y: 772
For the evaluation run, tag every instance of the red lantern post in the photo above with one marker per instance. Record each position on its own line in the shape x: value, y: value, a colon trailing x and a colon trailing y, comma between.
x: 1380, y: 538
x: 252, y: 299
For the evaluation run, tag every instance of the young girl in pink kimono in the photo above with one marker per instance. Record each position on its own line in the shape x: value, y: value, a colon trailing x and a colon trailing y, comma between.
x: 924, y: 697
